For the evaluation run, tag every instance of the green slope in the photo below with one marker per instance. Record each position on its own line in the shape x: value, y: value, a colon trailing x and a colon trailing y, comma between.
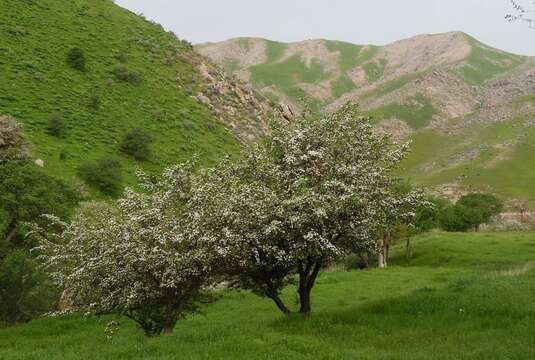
x: 36, y: 82
x: 463, y: 296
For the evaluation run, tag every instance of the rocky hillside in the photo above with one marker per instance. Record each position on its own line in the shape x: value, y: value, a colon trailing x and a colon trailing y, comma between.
x: 135, y: 76
x: 469, y: 108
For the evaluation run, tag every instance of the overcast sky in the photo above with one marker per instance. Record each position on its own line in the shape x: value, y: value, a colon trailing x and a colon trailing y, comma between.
x: 358, y: 21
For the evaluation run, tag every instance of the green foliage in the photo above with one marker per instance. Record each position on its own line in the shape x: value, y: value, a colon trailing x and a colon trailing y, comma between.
x: 24, y: 290
x: 105, y: 174
x: 56, y: 125
x: 122, y: 73
x: 136, y: 143
x: 26, y: 193
x: 482, y: 206
x: 76, y: 59
x: 465, y: 296
x: 104, y: 32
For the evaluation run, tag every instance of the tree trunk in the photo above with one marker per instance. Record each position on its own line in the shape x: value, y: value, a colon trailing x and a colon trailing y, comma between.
x: 307, y: 277
x: 11, y: 232
x: 304, y: 299
x: 408, y: 248
x: 383, y: 252
x: 280, y: 304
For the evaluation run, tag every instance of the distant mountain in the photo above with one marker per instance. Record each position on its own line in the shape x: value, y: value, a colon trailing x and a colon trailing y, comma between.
x: 468, y: 108
x: 137, y: 76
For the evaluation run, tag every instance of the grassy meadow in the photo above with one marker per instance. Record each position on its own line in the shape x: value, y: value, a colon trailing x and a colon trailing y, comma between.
x: 462, y: 296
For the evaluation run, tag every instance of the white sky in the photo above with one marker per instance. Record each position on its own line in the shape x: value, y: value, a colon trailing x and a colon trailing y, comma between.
x: 358, y: 21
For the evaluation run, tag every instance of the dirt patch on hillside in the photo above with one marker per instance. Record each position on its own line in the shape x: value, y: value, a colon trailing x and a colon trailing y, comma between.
x: 247, y: 51
x: 425, y: 51
x: 314, y: 51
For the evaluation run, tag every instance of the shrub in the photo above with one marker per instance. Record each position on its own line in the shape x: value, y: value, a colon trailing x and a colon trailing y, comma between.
x: 124, y: 74
x: 105, y: 174
x: 24, y: 291
x: 76, y: 59
x: 13, y: 143
x: 136, y: 143
x: 94, y: 102
x: 56, y: 126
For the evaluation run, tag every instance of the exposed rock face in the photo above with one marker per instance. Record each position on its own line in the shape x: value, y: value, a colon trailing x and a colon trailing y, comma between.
x: 242, y: 109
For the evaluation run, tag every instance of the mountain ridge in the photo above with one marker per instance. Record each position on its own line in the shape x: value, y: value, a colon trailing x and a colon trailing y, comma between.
x: 461, y: 102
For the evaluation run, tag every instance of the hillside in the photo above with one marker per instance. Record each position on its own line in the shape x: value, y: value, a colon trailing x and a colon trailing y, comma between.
x: 463, y: 296
x: 469, y: 108
x: 137, y: 76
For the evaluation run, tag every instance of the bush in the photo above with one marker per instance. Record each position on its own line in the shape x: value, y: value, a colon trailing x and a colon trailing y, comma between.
x: 76, y: 59
x: 13, y: 143
x: 94, y: 102
x: 136, y: 143
x: 124, y: 74
x: 24, y: 291
x: 56, y: 126
x: 355, y: 262
x: 105, y: 174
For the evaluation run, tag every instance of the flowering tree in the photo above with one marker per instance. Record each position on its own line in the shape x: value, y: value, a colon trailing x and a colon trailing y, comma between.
x: 133, y: 258
x: 314, y: 190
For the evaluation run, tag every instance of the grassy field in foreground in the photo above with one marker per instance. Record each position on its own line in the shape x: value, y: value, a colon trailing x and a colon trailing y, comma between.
x: 463, y: 296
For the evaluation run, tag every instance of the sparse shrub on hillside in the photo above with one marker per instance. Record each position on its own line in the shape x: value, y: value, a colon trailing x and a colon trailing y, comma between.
x: 136, y: 143
x: 18, y: 31
x: 56, y: 126
x: 210, y: 126
x: 13, y: 143
x: 121, y: 57
x: 124, y: 74
x: 189, y: 125
x: 94, y: 102
x: 76, y: 59
x: 105, y: 174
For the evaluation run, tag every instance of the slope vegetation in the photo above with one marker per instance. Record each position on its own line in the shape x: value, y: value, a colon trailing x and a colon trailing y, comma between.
x: 137, y: 76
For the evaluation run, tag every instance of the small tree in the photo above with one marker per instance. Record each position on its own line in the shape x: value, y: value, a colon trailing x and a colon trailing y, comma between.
x: 105, y: 174
x: 480, y: 208
x: 315, y: 190
x: 133, y: 258
x: 136, y: 143
x: 76, y: 59
x: 26, y: 192
x: 13, y: 143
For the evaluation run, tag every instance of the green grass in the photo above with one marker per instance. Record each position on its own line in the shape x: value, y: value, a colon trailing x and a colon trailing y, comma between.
x: 375, y: 70
x: 391, y: 86
x: 349, y: 54
x: 342, y: 85
x: 275, y: 50
x: 37, y: 82
x: 452, y: 301
x: 287, y: 75
x: 485, y: 63
x: 417, y: 115
x: 500, y: 165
